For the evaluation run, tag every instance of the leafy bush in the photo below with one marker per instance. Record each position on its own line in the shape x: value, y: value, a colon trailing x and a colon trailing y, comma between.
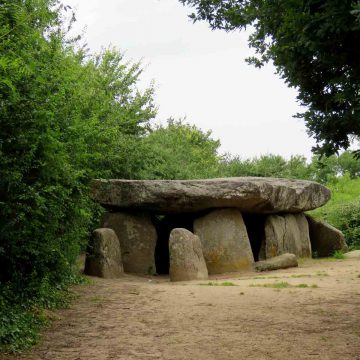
x: 65, y: 117
x: 22, y: 317
x: 343, y: 210
x: 180, y: 151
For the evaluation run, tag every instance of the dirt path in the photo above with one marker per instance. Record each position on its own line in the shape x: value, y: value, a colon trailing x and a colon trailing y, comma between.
x: 151, y: 318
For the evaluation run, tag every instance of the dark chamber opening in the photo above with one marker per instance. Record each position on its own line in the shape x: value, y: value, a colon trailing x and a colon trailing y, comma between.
x: 255, y: 226
x: 164, y: 224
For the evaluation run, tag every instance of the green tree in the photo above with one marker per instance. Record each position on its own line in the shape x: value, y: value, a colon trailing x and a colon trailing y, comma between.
x: 180, y: 151
x: 267, y: 165
x: 313, y: 45
x: 327, y: 169
x: 64, y: 119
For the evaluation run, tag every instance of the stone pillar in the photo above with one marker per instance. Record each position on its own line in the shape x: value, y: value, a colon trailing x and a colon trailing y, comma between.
x: 287, y: 234
x: 325, y: 239
x: 225, y: 242
x: 137, y: 236
x: 186, y: 256
x: 104, y: 255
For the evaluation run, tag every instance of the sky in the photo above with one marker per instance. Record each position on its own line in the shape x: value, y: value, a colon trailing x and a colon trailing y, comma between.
x: 199, y: 74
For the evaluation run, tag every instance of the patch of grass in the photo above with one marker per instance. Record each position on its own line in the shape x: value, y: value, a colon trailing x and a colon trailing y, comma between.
x: 338, y: 254
x: 300, y: 275
x: 276, y: 285
x: 283, y: 285
x: 321, y: 273
x: 302, y: 285
x: 96, y: 299
x: 306, y: 286
x: 225, y: 283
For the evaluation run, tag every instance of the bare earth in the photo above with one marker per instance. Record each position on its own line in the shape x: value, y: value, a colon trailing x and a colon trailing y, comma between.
x: 151, y: 318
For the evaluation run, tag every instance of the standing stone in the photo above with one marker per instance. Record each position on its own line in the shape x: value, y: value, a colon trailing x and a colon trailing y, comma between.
x: 305, y: 243
x: 186, y: 257
x: 164, y: 225
x: 104, y: 257
x: 325, y: 239
x: 275, y: 231
x: 287, y: 234
x: 138, y: 237
x: 225, y: 242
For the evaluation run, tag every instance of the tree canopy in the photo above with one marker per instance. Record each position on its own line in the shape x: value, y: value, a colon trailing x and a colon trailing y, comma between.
x: 181, y: 151
x: 314, y: 47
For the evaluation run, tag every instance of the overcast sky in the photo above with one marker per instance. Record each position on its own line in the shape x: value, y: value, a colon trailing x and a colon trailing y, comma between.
x: 199, y: 74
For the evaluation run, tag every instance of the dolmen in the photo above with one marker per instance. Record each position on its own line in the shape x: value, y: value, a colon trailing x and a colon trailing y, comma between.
x: 229, y: 223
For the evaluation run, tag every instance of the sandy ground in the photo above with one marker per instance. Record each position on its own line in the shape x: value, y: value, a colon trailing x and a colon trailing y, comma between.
x: 151, y: 318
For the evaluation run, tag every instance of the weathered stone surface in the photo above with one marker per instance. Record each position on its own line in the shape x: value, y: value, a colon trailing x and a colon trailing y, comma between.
x: 325, y: 239
x: 352, y: 254
x: 305, y: 243
x: 283, y: 261
x: 287, y: 234
x: 104, y: 257
x: 186, y: 257
x: 225, y: 241
x: 137, y: 236
x: 248, y: 194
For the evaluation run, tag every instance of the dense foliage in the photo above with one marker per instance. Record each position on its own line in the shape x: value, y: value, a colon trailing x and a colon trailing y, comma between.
x: 343, y: 210
x: 313, y: 45
x: 64, y: 118
x: 181, y: 151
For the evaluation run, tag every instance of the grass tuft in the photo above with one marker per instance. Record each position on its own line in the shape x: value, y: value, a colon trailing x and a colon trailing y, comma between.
x: 338, y: 254
x: 283, y: 285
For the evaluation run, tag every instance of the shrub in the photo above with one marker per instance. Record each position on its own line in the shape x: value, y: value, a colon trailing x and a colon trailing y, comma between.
x: 343, y: 210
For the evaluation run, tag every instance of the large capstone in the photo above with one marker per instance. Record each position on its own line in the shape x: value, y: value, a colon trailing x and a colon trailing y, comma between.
x: 287, y: 234
x: 248, y: 194
x: 104, y: 256
x: 225, y: 242
x: 137, y: 236
x: 325, y: 239
x: 186, y: 257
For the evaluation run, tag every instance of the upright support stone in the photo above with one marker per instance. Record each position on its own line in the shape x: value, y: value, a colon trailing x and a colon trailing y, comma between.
x: 104, y: 255
x: 225, y: 242
x: 305, y: 243
x: 137, y: 236
x: 287, y: 234
x: 325, y: 239
x: 186, y: 256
